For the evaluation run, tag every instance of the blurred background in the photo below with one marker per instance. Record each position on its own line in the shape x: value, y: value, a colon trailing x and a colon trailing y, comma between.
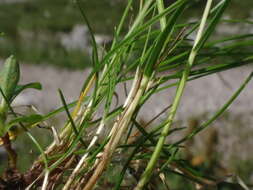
x: 53, y: 32
x: 52, y: 43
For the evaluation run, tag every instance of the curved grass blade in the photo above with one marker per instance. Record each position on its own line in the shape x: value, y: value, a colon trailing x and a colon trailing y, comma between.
x: 219, y: 112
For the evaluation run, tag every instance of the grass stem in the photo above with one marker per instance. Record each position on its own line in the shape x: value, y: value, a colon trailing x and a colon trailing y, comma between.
x: 150, y: 167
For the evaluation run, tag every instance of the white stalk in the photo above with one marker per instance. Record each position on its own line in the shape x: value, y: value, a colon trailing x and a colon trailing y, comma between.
x: 45, y: 181
x: 83, y: 159
x: 119, y: 129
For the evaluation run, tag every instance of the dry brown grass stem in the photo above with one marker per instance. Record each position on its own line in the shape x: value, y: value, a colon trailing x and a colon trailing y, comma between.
x: 119, y: 127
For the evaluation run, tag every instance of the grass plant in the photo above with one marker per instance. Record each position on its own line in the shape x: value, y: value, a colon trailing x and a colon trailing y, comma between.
x: 156, y: 53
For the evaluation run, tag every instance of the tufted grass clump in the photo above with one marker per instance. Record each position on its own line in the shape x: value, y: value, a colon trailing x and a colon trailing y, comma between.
x: 103, y: 146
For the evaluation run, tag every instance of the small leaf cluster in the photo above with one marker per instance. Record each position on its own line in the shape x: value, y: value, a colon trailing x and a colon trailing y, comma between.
x: 10, y: 89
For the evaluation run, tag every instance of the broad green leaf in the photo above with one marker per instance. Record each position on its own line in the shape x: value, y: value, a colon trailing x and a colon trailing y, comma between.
x: 9, y: 77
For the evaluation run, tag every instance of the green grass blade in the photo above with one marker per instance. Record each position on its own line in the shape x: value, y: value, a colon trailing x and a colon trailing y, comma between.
x: 73, y: 125
x: 219, y: 112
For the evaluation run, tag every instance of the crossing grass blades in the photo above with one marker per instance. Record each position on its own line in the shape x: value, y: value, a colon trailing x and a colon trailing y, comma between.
x: 156, y: 53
